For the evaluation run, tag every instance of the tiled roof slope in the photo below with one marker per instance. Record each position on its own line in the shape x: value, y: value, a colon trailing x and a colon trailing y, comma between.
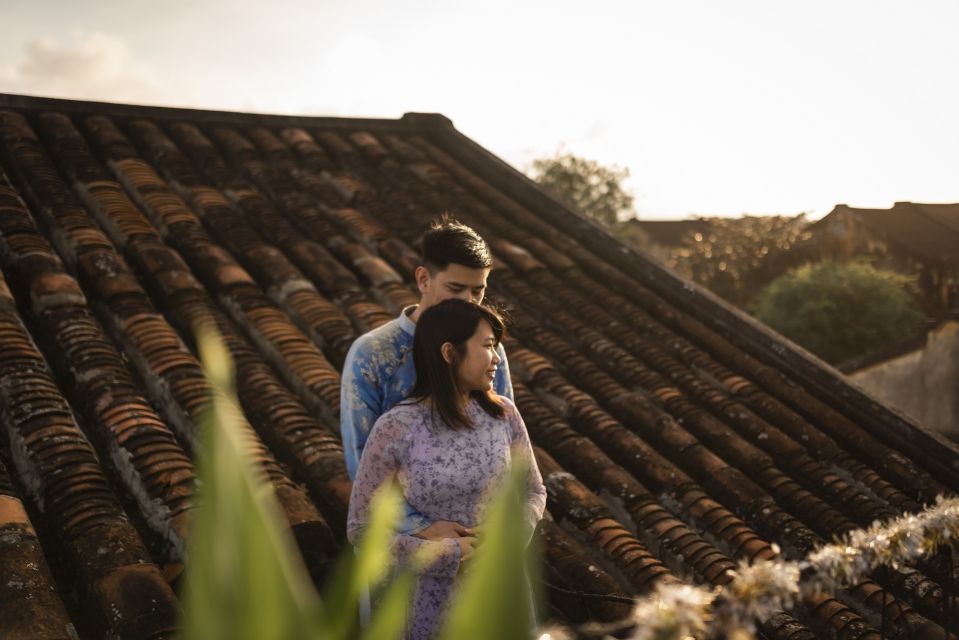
x: 676, y: 435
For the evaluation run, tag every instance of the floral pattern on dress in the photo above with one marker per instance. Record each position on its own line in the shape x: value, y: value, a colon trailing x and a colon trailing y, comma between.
x: 378, y: 374
x: 444, y: 474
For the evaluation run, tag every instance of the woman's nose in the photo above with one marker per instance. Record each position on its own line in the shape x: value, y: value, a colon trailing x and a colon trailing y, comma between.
x: 496, y: 358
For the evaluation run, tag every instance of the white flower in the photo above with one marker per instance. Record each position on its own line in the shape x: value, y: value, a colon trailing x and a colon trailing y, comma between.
x: 759, y: 590
x: 673, y: 611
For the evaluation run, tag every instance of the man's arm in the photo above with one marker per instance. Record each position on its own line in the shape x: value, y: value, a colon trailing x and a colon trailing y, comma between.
x: 360, y: 406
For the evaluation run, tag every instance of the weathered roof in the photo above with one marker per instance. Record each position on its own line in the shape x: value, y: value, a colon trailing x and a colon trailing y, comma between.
x: 928, y: 231
x: 677, y: 435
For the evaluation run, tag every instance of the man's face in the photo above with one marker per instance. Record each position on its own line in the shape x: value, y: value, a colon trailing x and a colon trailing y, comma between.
x: 455, y: 281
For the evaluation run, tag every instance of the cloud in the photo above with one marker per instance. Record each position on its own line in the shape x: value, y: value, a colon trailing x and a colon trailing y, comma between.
x: 90, y: 66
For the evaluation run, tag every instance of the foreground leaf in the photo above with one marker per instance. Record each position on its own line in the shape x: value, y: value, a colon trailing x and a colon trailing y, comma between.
x: 389, y: 620
x: 494, y: 599
x: 368, y: 566
x: 244, y: 578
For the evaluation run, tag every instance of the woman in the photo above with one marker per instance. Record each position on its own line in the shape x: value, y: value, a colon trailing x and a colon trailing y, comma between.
x: 447, y: 447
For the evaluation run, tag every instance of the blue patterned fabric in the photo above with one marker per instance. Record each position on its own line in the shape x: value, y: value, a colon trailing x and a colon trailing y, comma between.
x: 377, y: 375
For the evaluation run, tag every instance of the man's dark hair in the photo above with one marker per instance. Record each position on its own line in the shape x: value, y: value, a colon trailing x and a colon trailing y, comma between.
x: 450, y: 242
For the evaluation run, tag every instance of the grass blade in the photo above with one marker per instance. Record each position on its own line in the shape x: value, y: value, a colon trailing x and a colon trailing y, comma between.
x: 244, y: 578
x: 493, y: 599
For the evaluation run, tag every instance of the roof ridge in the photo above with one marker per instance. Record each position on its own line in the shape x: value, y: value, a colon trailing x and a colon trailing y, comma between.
x: 410, y: 121
x: 920, y: 207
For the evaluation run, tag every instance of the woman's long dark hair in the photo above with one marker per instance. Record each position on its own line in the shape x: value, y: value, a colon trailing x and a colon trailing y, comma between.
x: 452, y: 321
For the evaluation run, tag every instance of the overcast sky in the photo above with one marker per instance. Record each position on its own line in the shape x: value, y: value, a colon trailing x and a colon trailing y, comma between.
x: 716, y: 107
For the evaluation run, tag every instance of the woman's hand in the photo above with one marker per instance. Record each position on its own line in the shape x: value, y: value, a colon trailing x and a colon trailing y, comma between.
x: 445, y: 529
x: 467, y: 546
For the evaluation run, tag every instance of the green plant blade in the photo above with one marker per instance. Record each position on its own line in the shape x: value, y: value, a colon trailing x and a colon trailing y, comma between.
x: 493, y: 599
x: 389, y: 618
x: 244, y: 579
x: 368, y: 566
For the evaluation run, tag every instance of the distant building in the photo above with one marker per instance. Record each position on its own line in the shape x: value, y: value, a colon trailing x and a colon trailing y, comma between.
x: 911, y: 238
x: 665, y: 233
x: 919, y: 376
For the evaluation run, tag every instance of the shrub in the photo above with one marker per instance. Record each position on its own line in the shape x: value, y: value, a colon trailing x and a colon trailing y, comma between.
x: 840, y: 310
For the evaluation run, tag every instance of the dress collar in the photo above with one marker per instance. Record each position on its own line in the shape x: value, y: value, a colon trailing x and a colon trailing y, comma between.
x: 406, y: 323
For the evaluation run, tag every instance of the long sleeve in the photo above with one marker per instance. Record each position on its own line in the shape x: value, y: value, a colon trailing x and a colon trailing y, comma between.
x: 522, y: 452
x: 379, y: 465
x: 361, y: 403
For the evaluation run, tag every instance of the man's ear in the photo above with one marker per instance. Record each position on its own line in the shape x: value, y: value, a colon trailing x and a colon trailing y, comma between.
x: 422, y: 277
x: 448, y: 351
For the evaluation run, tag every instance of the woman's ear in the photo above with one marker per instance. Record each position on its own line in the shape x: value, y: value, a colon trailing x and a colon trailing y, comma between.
x: 448, y: 351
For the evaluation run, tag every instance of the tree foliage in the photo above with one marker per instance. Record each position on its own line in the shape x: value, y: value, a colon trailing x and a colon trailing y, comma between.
x: 841, y: 310
x: 737, y: 257
x: 595, y: 189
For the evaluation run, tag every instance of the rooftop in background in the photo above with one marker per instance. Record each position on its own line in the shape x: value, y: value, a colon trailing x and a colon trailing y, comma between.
x: 930, y: 231
x: 918, y: 376
x: 710, y: 439
x: 669, y: 233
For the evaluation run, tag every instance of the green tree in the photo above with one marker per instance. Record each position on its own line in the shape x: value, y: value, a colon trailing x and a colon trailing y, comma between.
x: 736, y: 257
x: 841, y: 310
x: 595, y: 189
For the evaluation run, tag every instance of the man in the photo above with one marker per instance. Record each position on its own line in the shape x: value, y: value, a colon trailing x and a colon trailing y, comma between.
x: 378, y: 372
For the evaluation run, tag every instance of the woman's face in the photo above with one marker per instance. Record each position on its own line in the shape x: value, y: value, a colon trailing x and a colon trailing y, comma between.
x: 477, y: 364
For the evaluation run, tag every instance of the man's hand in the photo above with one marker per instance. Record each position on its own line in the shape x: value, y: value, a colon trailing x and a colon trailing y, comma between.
x: 442, y: 529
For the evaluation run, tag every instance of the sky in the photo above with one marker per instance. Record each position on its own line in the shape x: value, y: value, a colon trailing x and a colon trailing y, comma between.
x: 715, y: 107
